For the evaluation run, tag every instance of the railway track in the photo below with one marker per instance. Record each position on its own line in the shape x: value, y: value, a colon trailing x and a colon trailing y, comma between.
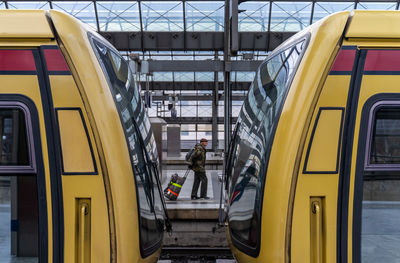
x: 196, y: 255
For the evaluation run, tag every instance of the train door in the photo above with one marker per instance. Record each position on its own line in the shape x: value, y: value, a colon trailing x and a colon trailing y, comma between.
x: 370, y: 208
x: 28, y: 204
x: 84, y: 205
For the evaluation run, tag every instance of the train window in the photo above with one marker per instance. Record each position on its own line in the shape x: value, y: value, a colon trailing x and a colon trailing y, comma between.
x: 77, y: 154
x: 385, y: 144
x: 250, y: 149
x: 13, y: 141
x: 379, y: 209
x: 140, y: 142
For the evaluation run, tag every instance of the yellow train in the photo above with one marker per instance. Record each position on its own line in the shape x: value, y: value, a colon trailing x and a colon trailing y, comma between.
x: 313, y: 172
x: 77, y: 144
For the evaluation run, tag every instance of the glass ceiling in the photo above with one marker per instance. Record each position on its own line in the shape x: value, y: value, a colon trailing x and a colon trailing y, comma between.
x: 254, y: 16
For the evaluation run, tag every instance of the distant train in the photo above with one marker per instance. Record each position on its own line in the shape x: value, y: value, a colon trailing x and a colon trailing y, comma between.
x: 313, y: 168
x: 77, y: 144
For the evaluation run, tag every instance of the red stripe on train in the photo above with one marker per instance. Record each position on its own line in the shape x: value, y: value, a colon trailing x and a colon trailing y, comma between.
x: 382, y: 60
x: 17, y: 60
x: 344, y: 60
x: 55, y: 60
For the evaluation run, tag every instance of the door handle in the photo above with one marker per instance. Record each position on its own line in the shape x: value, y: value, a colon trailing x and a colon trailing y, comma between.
x: 316, y: 230
x: 83, y: 248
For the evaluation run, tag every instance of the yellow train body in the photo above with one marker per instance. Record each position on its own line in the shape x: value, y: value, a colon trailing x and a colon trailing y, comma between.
x: 309, y: 146
x: 83, y: 155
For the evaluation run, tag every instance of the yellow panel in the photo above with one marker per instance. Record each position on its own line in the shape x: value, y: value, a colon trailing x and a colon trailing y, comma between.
x: 66, y: 95
x: 333, y: 94
x: 374, y: 24
x: 65, y: 92
x: 24, y: 24
x: 81, y: 186
x: 76, y: 154
x: 323, y: 154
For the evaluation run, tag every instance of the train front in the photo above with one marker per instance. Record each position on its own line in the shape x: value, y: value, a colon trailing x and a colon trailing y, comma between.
x: 264, y: 151
x: 135, y: 204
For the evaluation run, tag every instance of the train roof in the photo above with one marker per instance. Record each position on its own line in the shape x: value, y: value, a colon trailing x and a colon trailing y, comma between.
x: 24, y: 24
x: 373, y: 24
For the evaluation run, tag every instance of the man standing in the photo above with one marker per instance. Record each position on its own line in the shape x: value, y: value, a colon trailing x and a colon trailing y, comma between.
x: 198, y: 160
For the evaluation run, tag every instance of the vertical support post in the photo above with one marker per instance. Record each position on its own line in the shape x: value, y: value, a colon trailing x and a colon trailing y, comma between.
x: 141, y: 26
x: 227, y: 86
x: 215, y: 110
x: 184, y: 25
x: 97, y: 16
x: 312, y: 12
x: 234, y: 27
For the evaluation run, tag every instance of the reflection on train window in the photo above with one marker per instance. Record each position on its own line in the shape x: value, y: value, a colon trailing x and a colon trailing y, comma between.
x: 141, y: 144
x: 252, y: 142
x: 380, y: 228
x: 385, y: 146
x: 13, y: 140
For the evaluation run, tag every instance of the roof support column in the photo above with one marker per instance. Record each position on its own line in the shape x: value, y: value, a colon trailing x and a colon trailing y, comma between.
x: 214, y: 128
x: 227, y: 80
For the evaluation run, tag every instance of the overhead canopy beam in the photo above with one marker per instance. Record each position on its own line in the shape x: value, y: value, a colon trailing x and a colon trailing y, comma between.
x: 201, y: 65
x: 193, y: 41
x: 187, y: 85
x: 194, y: 98
x: 191, y: 120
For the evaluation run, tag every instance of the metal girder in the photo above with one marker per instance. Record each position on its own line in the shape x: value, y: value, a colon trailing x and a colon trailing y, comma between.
x: 191, y: 120
x: 195, y: 98
x: 201, y: 65
x: 161, y: 85
x: 193, y: 41
x: 262, y: 41
x: 165, y: 41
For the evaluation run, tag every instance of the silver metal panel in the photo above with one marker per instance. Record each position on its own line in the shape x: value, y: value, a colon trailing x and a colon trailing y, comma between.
x: 173, y: 140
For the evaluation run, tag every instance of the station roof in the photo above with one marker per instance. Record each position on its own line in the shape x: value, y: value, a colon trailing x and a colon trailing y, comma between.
x: 164, y: 23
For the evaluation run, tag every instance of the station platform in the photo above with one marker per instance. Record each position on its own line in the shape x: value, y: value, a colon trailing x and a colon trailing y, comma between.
x: 184, y: 207
x: 194, y: 222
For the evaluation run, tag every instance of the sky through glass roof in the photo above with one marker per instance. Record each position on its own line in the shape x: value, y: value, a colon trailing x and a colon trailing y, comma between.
x: 82, y: 10
x: 197, y: 16
x: 118, y: 16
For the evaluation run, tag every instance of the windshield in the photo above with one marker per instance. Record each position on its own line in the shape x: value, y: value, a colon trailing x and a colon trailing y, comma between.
x: 140, y: 142
x: 251, y: 143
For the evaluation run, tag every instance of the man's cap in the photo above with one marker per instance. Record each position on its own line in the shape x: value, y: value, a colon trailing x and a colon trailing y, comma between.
x: 203, y: 140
